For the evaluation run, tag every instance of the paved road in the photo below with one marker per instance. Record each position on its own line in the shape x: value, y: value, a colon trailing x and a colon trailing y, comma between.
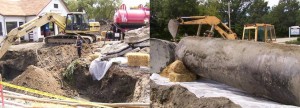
x: 283, y: 40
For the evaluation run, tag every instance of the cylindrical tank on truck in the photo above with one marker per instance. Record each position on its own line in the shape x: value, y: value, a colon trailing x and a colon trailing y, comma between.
x: 128, y: 19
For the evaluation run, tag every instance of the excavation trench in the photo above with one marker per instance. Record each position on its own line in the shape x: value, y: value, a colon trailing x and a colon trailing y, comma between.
x: 44, y: 69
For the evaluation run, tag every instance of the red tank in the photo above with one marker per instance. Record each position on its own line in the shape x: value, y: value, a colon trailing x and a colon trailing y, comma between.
x: 131, y: 19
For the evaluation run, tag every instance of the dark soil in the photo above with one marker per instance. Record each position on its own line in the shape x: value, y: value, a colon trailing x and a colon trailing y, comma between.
x: 177, y: 96
x: 116, y: 86
x: 15, y: 62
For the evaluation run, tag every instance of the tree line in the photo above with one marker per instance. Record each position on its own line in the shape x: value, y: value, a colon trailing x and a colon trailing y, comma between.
x: 282, y: 16
x: 95, y: 9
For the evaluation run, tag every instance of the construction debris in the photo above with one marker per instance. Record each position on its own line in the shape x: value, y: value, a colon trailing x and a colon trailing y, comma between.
x: 137, y: 35
x: 138, y: 38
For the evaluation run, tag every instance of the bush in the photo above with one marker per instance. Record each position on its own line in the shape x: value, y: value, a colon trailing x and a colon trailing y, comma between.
x: 68, y: 73
x: 298, y: 39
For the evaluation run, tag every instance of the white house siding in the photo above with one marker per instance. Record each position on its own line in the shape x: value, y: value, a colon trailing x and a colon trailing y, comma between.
x: 11, y: 19
x: 2, y: 20
x: 50, y: 8
x: 36, y: 32
x: 61, y: 9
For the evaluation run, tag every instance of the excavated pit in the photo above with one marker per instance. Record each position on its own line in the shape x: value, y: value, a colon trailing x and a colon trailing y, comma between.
x: 42, y: 68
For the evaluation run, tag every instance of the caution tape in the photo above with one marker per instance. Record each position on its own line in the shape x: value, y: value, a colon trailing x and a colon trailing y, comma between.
x: 49, y: 94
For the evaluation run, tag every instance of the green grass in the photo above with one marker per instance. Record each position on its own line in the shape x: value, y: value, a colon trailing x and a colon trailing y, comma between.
x: 297, y: 42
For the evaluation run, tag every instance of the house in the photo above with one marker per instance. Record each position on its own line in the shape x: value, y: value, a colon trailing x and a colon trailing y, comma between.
x: 14, y: 13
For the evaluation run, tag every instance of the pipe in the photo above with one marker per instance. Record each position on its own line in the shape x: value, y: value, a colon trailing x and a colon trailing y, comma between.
x: 263, y: 69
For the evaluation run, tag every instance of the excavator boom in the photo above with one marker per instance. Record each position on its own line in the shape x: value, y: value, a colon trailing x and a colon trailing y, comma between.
x: 75, y: 23
x: 200, y: 20
x: 18, y: 32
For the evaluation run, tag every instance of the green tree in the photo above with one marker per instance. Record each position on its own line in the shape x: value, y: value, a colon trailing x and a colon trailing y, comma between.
x: 284, y: 15
x: 255, y: 12
x: 238, y: 13
x: 164, y: 10
x: 96, y: 9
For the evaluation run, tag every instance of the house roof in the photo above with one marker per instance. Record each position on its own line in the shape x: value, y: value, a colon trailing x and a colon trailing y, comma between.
x: 22, y: 7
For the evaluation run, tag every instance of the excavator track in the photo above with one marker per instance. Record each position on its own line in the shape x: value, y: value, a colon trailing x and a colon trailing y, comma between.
x: 67, y: 39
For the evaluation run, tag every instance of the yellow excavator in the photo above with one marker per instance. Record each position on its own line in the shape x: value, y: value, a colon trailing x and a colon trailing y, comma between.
x: 259, y: 32
x: 256, y: 32
x: 73, y: 24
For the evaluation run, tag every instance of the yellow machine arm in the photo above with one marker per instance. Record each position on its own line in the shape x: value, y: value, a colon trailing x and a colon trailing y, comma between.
x: 18, y: 32
x: 200, y: 20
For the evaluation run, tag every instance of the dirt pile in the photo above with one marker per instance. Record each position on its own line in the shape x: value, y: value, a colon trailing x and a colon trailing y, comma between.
x: 49, y: 58
x: 48, y: 64
x: 37, y: 78
x: 177, y: 96
x: 15, y: 62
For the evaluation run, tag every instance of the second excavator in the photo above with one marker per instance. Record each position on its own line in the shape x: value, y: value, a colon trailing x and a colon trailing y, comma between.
x: 255, y: 32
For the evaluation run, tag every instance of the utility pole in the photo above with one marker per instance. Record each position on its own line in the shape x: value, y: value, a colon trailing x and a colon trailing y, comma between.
x: 229, y: 14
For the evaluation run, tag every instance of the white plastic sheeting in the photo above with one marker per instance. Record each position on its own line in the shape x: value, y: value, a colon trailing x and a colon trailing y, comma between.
x: 209, y: 88
x: 99, y: 68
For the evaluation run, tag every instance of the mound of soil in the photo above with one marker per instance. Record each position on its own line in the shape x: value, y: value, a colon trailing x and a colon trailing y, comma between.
x: 50, y: 58
x: 15, y: 62
x: 177, y: 96
x: 37, y: 78
x: 45, y: 75
x: 56, y: 58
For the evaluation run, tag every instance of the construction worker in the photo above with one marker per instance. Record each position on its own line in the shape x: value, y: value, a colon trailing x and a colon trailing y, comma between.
x: 79, y: 42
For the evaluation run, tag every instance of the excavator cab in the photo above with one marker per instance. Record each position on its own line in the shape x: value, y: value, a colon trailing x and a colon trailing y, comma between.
x: 77, y: 21
x: 259, y: 32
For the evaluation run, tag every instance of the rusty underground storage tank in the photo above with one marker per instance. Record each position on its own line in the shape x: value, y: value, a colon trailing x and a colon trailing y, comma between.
x: 263, y: 69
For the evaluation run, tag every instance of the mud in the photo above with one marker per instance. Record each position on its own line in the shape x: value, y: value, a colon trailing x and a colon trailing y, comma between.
x: 262, y: 69
x: 177, y: 96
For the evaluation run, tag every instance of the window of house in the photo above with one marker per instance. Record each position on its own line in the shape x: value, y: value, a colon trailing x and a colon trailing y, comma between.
x: 11, y: 25
x: 55, y: 5
x: 1, y: 33
x: 21, y: 23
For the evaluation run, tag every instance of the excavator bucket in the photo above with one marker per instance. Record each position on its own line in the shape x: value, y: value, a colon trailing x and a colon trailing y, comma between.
x: 173, y: 27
